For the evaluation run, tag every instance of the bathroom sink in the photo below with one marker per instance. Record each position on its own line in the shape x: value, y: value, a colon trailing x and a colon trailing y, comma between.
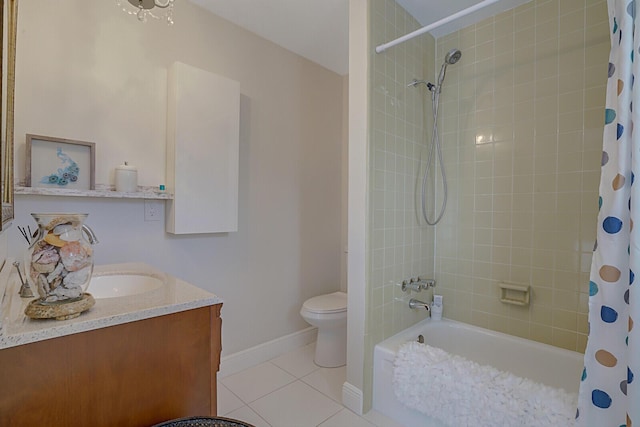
x: 122, y: 285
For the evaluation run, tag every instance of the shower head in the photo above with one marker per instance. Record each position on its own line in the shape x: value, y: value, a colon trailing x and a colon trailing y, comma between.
x: 452, y: 56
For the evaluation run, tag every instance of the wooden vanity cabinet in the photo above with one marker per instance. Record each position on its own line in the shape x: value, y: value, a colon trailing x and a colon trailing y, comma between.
x: 133, y: 374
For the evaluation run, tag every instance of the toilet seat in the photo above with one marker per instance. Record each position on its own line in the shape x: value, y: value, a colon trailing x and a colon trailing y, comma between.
x: 331, y: 303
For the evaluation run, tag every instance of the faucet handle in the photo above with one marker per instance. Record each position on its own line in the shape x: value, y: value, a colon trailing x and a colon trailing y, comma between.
x: 417, y: 284
x: 411, y: 285
x: 427, y: 283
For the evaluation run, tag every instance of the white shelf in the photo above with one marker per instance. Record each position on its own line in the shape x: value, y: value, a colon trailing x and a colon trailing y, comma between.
x: 102, y: 191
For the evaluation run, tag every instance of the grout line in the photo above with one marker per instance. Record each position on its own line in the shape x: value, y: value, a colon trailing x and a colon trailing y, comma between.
x: 331, y: 416
x: 227, y: 388
x: 274, y: 390
x: 321, y: 392
x: 259, y: 416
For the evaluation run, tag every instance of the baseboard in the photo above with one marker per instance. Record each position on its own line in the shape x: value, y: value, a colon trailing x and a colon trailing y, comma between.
x: 264, y: 352
x: 352, y: 398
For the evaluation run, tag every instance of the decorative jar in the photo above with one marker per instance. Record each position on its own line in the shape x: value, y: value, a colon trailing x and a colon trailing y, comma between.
x: 59, y: 261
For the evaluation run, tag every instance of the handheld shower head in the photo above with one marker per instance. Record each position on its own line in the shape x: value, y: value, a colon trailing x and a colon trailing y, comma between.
x: 452, y: 56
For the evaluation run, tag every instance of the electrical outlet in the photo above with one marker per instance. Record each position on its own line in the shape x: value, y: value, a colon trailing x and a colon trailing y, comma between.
x: 153, y: 210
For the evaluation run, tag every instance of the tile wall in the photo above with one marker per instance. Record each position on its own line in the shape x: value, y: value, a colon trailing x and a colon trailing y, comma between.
x: 521, y: 125
x: 399, y: 245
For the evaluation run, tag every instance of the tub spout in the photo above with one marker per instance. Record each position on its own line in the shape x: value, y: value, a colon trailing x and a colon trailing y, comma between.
x: 414, y: 303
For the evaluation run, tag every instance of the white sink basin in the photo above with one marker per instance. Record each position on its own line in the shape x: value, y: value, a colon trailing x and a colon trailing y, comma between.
x: 122, y: 285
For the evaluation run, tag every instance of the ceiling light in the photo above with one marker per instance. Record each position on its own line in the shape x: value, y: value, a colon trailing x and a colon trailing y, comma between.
x: 157, y: 9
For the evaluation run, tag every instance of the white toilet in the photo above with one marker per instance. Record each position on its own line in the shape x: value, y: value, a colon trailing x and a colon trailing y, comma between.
x: 329, y: 314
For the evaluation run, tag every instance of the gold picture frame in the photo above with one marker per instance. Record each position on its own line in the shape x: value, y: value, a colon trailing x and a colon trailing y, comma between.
x: 8, y: 33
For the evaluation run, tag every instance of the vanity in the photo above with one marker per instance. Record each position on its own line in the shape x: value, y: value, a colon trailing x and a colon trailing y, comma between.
x: 133, y: 360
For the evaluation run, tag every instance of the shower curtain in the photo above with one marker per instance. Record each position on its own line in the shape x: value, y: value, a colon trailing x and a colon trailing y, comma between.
x: 609, y: 392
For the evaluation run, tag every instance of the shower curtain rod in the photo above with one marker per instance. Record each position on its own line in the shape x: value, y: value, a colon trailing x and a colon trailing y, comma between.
x: 381, y: 48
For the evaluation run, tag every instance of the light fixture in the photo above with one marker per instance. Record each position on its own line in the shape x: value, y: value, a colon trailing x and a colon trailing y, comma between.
x: 147, y: 8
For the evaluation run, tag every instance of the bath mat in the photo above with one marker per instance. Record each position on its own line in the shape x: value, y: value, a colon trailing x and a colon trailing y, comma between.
x: 459, y: 392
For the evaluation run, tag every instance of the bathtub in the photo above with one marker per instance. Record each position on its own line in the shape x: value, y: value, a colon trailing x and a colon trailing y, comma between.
x: 545, y: 364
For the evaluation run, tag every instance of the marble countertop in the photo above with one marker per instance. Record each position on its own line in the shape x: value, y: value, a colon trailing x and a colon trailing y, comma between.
x: 174, y: 296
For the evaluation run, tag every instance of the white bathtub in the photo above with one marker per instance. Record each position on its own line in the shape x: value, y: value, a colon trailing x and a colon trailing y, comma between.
x: 545, y: 364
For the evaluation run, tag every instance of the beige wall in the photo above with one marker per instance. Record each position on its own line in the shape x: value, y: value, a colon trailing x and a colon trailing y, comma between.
x: 400, y: 246
x: 88, y: 71
x: 522, y: 117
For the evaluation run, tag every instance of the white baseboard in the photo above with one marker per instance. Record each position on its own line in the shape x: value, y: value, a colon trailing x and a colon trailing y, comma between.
x: 352, y: 398
x: 264, y: 352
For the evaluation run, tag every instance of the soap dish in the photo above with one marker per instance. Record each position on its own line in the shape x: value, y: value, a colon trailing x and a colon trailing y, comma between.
x: 512, y: 293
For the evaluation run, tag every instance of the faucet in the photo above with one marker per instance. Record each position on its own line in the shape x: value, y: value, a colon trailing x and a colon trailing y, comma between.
x: 25, y: 290
x: 418, y: 284
x: 426, y: 283
x: 91, y: 236
x: 414, y: 303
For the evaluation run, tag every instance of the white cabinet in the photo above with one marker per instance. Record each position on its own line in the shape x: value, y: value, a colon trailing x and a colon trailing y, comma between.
x: 203, y: 127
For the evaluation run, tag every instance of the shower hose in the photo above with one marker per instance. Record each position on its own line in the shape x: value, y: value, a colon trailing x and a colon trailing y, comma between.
x: 434, y: 148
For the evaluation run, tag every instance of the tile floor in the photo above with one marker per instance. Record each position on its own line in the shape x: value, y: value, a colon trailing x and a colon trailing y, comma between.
x: 291, y: 391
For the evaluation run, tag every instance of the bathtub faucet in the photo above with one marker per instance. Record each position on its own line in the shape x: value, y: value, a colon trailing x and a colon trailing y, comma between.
x: 414, y: 303
x: 418, y: 284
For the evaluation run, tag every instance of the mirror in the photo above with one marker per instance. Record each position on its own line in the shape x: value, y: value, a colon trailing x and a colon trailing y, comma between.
x: 7, y: 72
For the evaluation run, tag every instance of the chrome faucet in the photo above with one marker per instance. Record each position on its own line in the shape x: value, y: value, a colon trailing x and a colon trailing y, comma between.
x: 25, y: 290
x: 417, y: 284
x: 91, y: 236
x: 427, y: 283
x: 414, y: 303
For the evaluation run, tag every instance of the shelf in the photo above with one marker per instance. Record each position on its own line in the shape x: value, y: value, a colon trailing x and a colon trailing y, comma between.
x: 101, y: 191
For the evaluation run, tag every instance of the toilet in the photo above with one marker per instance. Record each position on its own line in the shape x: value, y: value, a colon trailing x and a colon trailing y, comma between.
x: 329, y: 314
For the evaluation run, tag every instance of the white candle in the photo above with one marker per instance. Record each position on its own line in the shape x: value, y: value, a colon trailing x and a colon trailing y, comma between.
x: 126, y: 178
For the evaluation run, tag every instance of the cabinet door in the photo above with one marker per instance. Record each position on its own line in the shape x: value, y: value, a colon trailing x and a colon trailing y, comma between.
x: 203, y: 134
x: 134, y: 374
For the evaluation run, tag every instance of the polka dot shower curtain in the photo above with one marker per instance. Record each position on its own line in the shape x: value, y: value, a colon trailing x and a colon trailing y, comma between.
x: 609, y: 393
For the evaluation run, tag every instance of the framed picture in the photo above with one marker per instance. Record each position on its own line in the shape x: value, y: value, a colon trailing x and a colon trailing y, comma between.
x: 60, y: 163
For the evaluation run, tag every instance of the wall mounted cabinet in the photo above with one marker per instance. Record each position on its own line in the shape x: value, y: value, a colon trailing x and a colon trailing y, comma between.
x: 203, y: 128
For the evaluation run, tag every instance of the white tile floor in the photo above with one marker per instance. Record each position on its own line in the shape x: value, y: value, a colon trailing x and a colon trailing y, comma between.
x: 291, y: 391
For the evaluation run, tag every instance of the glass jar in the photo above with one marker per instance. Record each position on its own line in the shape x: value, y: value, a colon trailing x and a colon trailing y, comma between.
x: 60, y: 259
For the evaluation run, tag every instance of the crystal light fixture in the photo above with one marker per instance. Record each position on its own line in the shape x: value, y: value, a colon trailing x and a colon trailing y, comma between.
x: 157, y: 9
